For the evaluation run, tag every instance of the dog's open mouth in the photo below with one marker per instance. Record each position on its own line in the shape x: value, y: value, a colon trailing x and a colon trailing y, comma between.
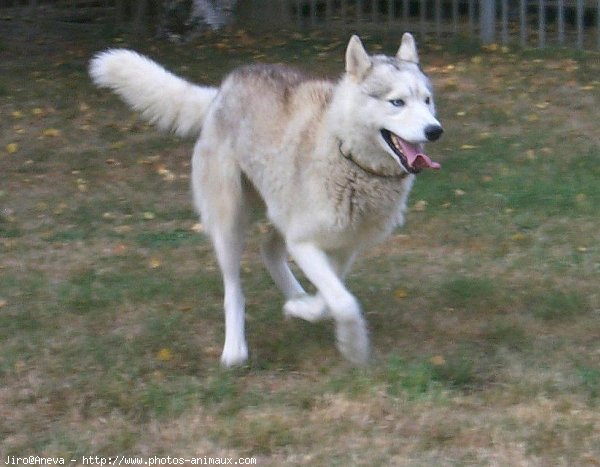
x: 410, y: 155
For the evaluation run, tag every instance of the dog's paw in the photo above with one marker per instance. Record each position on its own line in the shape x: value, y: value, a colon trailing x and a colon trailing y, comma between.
x: 308, y: 307
x: 234, y: 355
x: 353, y: 340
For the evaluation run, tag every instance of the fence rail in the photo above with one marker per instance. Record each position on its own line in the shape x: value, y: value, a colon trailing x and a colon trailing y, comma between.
x: 538, y: 23
x: 528, y: 22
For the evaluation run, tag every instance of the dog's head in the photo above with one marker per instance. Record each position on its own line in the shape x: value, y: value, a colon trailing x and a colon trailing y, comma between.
x: 394, y: 102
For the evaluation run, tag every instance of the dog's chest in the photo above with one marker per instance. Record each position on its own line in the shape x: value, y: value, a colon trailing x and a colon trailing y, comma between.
x: 369, y: 204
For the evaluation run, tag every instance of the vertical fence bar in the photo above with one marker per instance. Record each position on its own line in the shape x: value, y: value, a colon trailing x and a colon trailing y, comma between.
x: 504, y: 14
x: 329, y: 13
x: 391, y: 12
x: 298, y: 13
x: 560, y: 5
x: 598, y: 24
x: 579, y: 14
x: 523, y: 22
x: 471, y: 8
x: 438, y: 17
x: 487, y: 19
x: 422, y: 16
x: 454, y: 16
x: 541, y: 23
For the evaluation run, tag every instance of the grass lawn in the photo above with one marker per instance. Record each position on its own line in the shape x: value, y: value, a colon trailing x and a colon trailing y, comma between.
x: 484, y: 311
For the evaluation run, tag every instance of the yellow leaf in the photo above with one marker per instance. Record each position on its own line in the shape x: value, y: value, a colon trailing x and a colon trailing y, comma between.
x: 154, y: 263
x: 438, y: 360
x: 518, y: 237
x: 17, y: 114
x: 149, y: 215
x: 164, y: 355
x: 468, y: 147
x: 37, y: 112
x: 400, y: 293
x: 459, y: 192
x: 11, y: 148
x: 51, y: 132
x: 420, y: 205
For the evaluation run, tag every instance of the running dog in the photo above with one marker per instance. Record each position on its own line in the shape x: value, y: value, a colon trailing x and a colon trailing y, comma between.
x: 330, y: 162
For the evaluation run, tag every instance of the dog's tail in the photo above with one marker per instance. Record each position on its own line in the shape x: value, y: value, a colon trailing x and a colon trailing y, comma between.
x: 162, y: 98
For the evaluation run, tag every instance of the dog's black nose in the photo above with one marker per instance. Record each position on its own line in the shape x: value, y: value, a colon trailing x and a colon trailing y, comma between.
x: 433, y: 132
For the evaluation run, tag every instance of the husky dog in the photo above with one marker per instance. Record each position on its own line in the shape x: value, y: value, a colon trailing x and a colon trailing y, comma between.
x: 331, y: 162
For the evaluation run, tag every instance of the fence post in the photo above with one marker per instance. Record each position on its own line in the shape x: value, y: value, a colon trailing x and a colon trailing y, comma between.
x: 487, y: 18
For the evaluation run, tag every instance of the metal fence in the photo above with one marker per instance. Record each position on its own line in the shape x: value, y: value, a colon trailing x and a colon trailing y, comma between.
x: 537, y: 23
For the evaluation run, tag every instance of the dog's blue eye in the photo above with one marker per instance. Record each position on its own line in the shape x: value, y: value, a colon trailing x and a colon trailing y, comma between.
x: 428, y: 100
x: 397, y: 102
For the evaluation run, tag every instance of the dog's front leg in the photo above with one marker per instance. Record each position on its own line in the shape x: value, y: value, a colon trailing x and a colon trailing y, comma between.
x: 351, y: 331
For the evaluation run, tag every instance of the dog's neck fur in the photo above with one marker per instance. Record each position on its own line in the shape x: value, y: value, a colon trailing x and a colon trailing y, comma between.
x: 382, y: 173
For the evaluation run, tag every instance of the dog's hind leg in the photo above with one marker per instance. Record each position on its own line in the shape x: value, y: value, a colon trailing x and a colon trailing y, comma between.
x: 274, y: 255
x: 351, y: 331
x: 219, y: 197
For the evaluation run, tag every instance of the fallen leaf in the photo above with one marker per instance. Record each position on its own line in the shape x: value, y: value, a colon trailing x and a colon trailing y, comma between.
x: 17, y: 114
x: 164, y: 355
x: 149, y: 215
x: 198, y: 227
x: 400, y: 293
x: 51, y: 132
x: 468, y: 147
x: 119, y: 249
x: 438, y: 360
x: 420, y: 205
x: 11, y: 148
x: 155, y: 263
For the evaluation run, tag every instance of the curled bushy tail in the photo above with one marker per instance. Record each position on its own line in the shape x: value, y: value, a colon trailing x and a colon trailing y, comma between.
x: 161, y: 97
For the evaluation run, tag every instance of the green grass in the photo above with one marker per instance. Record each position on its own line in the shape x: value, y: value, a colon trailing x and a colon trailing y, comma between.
x: 482, y: 311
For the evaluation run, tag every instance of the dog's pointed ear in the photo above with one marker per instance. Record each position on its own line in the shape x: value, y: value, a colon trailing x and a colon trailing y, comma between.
x: 357, y: 59
x: 408, y: 49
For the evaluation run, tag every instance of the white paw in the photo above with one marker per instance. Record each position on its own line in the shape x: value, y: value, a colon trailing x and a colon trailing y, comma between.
x: 308, y: 307
x: 353, y: 340
x: 234, y: 355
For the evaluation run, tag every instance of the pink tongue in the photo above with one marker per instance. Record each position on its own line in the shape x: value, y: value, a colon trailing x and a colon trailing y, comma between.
x: 416, y: 159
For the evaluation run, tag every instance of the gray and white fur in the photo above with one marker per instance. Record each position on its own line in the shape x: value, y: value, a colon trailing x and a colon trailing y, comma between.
x: 331, y: 162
